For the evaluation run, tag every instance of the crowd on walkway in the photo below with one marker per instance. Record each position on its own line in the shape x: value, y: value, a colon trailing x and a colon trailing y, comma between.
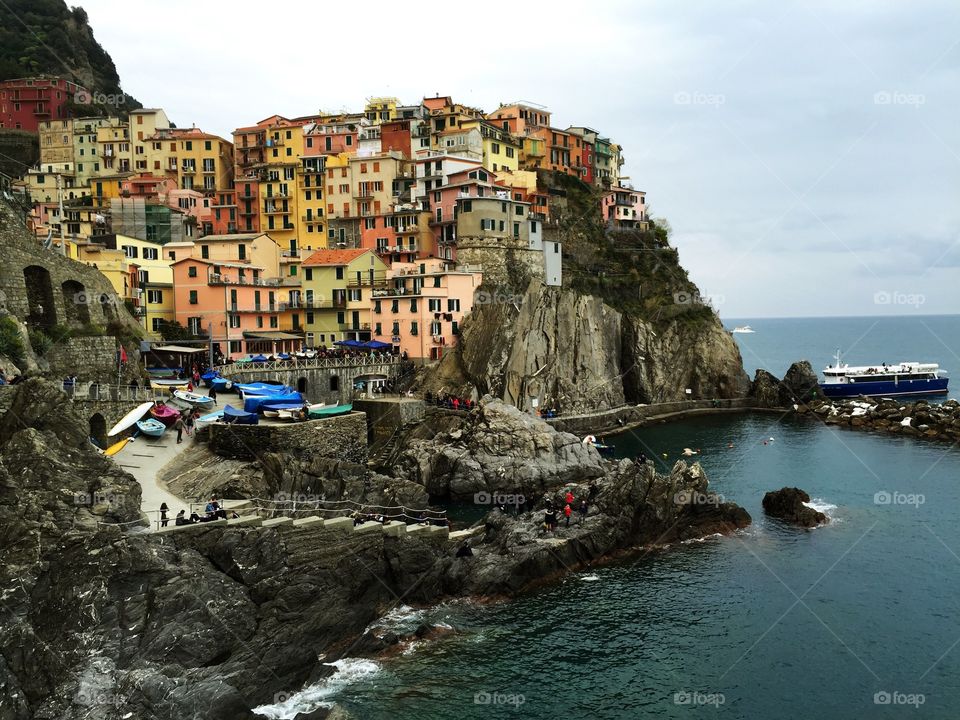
x: 451, y: 402
x: 212, y: 511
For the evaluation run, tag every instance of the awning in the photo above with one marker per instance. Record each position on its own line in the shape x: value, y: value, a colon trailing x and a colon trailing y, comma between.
x: 178, y: 349
x: 273, y: 335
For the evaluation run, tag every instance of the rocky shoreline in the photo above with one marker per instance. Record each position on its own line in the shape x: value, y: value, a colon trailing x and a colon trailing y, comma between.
x: 103, y: 623
x: 917, y: 418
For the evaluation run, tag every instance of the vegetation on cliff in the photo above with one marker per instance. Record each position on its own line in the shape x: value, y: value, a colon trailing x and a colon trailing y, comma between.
x: 45, y: 37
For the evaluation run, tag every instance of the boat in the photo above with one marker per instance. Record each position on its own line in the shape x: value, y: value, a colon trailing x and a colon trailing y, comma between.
x: 598, y: 445
x: 128, y: 420
x: 193, y: 398
x: 329, y: 411
x: 213, y: 417
x: 151, y: 427
x: 254, y: 403
x: 220, y: 384
x: 170, y: 383
x: 180, y: 385
x: 743, y: 329
x: 905, y: 378
x: 278, y: 405
x: 239, y: 417
x: 209, y: 376
x: 262, y: 388
x: 165, y: 414
x: 164, y: 372
x: 116, y: 447
x: 267, y: 412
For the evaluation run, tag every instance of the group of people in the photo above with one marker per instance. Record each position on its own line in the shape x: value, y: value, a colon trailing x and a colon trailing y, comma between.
x: 212, y: 511
x: 551, y: 516
x: 452, y: 402
x: 185, y: 422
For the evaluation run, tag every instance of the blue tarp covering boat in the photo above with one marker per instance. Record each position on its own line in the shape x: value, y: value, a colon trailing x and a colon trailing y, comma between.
x: 220, y: 384
x: 278, y: 405
x: 258, y: 358
x: 253, y: 404
x: 240, y: 417
x: 259, y: 388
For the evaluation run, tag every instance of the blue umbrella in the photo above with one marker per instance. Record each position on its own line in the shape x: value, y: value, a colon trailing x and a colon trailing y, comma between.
x: 258, y: 358
x: 376, y: 345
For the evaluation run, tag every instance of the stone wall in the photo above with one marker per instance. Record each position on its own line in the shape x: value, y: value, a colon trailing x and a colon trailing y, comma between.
x: 93, y: 358
x: 331, y: 385
x: 615, y: 419
x: 340, y: 438
x: 506, y: 262
x: 385, y: 415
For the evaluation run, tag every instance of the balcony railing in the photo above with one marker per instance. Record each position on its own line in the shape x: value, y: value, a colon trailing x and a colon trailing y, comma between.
x: 290, y: 253
x: 311, y: 219
x: 377, y: 282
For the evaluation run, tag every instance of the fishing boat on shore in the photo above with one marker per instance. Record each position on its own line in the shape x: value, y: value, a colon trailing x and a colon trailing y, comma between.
x: 128, y: 420
x: 329, y: 411
x: 905, y: 378
x: 165, y: 414
x: 151, y: 427
x: 193, y: 398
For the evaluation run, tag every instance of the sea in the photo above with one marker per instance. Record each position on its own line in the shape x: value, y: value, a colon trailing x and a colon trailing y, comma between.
x: 859, y: 618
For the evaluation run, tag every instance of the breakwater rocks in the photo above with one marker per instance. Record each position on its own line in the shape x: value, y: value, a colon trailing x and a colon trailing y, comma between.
x: 918, y: 418
x: 213, y: 621
x: 789, y: 504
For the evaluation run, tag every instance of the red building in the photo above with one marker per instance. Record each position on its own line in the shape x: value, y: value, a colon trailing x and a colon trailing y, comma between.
x: 586, y: 162
x: 395, y: 135
x: 26, y: 102
x: 225, y: 213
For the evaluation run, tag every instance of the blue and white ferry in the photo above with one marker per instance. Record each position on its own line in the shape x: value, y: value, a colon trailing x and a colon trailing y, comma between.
x: 905, y: 378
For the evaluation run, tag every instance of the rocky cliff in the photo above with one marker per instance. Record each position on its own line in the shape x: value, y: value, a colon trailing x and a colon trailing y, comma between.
x: 102, y: 623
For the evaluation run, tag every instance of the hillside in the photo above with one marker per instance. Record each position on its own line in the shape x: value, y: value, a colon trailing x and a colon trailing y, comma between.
x: 45, y: 37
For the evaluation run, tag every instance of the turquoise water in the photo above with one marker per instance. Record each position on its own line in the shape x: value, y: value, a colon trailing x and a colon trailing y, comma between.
x: 778, y: 342
x: 775, y: 622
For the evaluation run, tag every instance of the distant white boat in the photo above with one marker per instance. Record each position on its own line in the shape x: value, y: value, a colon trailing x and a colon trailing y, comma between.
x: 743, y: 329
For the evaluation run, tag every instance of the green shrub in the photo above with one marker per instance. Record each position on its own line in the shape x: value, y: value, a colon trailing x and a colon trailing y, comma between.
x: 11, y: 343
x: 40, y: 341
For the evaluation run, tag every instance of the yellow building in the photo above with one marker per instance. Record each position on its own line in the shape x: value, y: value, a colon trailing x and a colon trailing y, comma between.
x: 113, y: 148
x: 112, y: 264
x: 311, y: 222
x: 363, y: 186
x: 337, y: 289
x: 154, y: 281
x: 259, y: 249
x: 501, y: 150
x: 145, y: 124
x: 279, y: 196
x: 205, y: 162
x: 380, y: 109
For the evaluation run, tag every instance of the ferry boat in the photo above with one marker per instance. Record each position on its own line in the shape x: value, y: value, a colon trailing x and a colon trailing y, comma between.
x: 905, y: 378
x: 743, y: 329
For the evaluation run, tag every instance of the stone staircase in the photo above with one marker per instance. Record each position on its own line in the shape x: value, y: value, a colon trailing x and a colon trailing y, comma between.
x: 384, y: 455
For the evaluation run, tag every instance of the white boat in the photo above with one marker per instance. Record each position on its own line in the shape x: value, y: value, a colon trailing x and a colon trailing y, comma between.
x: 128, y: 420
x: 905, y: 378
x: 743, y: 329
x: 193, y: 398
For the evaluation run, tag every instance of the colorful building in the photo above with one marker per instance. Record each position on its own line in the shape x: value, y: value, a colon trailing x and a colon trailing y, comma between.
x: 27, y: 102
x: 337, y: 290
x: 624, y: 207
x: 422, y: 307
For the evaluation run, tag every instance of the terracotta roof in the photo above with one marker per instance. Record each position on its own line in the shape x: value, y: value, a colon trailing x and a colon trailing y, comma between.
x: 334, y: 257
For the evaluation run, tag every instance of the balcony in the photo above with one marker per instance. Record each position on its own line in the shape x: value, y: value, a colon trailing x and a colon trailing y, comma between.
x: 247, y: 196
x: 376, y: 282
x: 312, y: 169
x: 277, y: 195
x: 397, y: 292
x: 275, y: 210
x: 311, y: 219
x: 189, y: 169
x: 249, y: 212
x: 290, y: 253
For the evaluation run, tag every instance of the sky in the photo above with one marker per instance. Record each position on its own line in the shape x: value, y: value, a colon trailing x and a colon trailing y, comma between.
x: 805, y: 154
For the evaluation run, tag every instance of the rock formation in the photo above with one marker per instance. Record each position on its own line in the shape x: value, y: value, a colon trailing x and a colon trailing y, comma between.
x: 213, y: 621
x: 799, y: 385
x: 917, y: 418
x: 789, y: 504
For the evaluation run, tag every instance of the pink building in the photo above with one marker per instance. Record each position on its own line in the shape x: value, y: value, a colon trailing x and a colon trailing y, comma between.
x: 475, y: 182
x: 624, y: 208
x: 233, y: 302
x: 421, y: 310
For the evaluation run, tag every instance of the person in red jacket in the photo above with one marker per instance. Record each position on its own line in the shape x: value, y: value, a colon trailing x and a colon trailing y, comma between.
x: 568, y: 498
x: 567, y: 511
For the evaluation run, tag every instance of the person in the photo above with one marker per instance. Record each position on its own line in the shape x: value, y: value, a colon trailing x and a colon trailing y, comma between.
x: 641, y: 459
x: 194, y: 518
x: 465, y: 550
x: 213, y: 395
x: 546, y: 518
x: 181, y: 519
x: 567, y: 512
x: 179, y: 426
x: 568, y: 498
x: 163, y: 515
x: 582, y: 510
x: 189, y: 422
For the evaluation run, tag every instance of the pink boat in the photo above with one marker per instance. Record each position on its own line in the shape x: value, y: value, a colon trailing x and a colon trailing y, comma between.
x: 165, y: 414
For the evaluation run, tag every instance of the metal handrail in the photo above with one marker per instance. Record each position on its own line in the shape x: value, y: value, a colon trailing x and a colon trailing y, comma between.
x: 306, y: 363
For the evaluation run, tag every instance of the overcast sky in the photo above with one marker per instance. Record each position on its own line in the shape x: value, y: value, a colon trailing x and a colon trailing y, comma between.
x: 807, y: 155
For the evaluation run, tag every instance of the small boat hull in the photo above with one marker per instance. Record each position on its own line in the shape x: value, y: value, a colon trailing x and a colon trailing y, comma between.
x: 331, y: 411
x: 221, y: 384
x: 193, y: 399
x: 165, y: 414
x: 130, y: 418
x: 151, y: 427
x: 116, y: 447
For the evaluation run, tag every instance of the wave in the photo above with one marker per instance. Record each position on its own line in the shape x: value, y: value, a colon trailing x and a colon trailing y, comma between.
x: 827, y: 508
x: 348, y: 671
x: 592, y: 577
x: 701, y: 539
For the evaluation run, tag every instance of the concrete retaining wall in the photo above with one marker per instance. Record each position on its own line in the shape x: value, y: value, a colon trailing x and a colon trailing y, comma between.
x: 341, y: 438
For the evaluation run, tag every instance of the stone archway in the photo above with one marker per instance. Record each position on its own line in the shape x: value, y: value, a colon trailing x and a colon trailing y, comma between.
x: 76, y: 302
x: 41, y: 311
x: 98, y: 429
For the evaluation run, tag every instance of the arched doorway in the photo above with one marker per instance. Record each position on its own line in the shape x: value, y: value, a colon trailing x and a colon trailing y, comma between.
x: 40, y: 305
x: 98, y: 429
x: 302, y: 385
x: 76, y: 302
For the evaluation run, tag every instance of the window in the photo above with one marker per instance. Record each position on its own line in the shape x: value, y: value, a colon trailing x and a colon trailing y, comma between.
x: 509, y: 152
x: 308, y: 273
x: 466, y: 206
x: 154, y: 297
x: 354, y: 295
x: 235, y: 346
x: 341, y: 318
x: 433, y: 305
x: 242, y: 251
x: 130, y: 251
x: 310, y: 318
x: 151, y: 253
x: 413, y: 305
x: 273, y: 321
x: 413, y: 328
x: 516, y: 230
x: 259, y: 321
x: 207, y: 145
x: 395, y: 306
x: 192, y: 271
x: 340, y: 273
x: 193, y: 297
x: 435, y: 328
x: 234, y: 321
x: 205, y: 251
x: 396, y: 328
x: 155, y: 324
x: 495, y: 147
